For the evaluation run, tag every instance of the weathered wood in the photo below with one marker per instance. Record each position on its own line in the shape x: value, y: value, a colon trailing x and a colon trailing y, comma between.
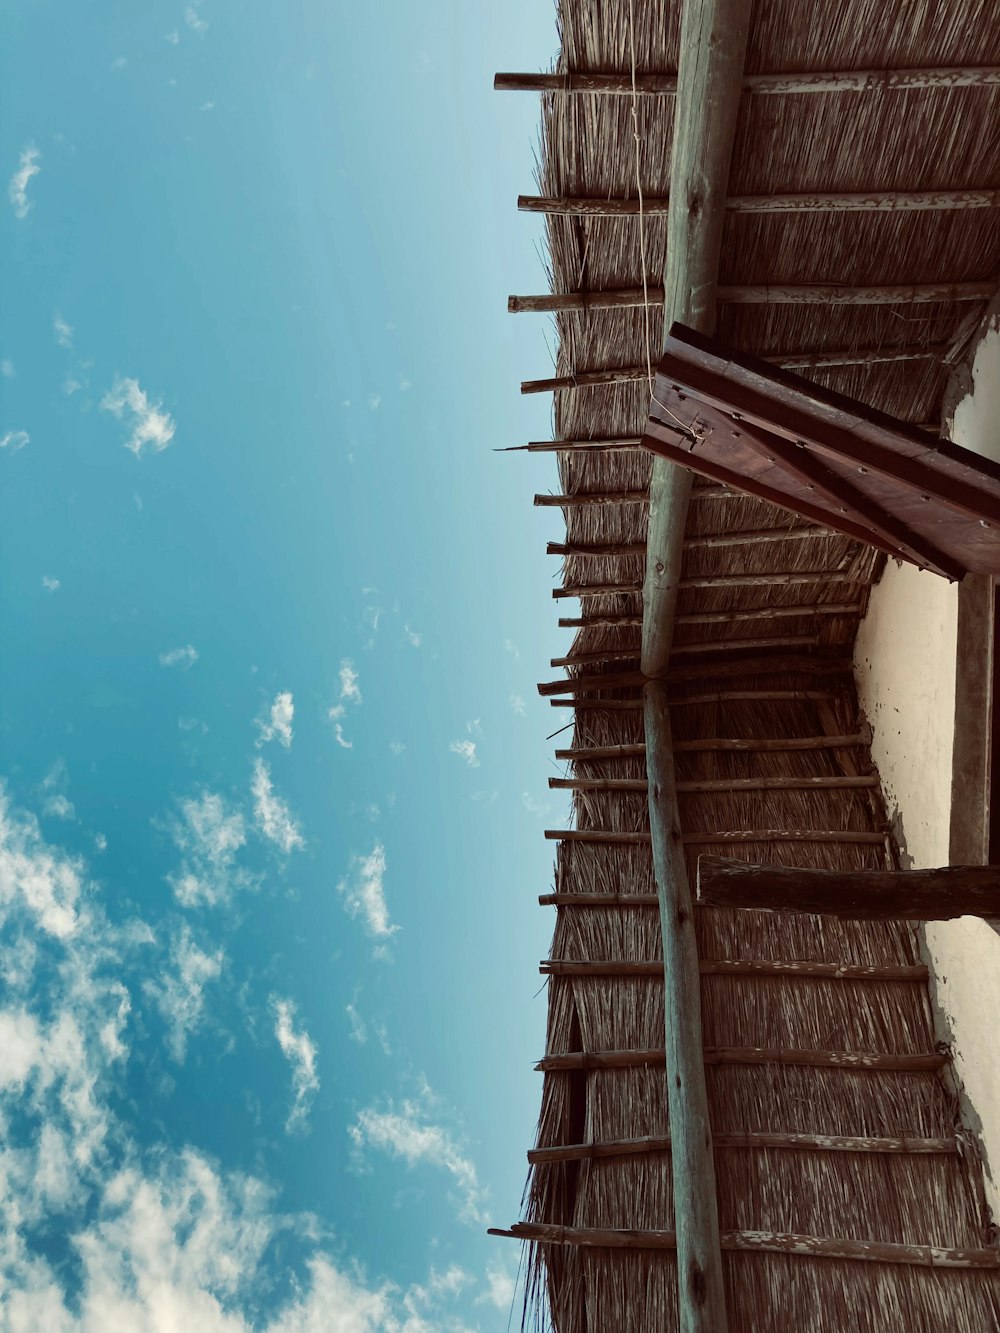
x: 739, y: 967
x: 624, y: 444
x: 756, y: 536
x: 972, y: 751
x: 791, y: 579
x: 622, y: 680
x: 923, y: 1062
x: 834, y: 294
x: 780, y: 663
x: 864, y: 838
x: 706, y: 697
x: 650, y: 84
x: 724, y: 784
x: 582, y: 622
x: 592, y: 498
x: 754, y: 1140
x: 767, y: 613
x: 603, y: 655
x: 554, y: 302
x: 629, y: 900
x: 741, y: 645
x: 834, y: 201
x: 777, y: 1242
x: 818, y: 360
x: 595, y: 548
x: 915, y: 895
x: 600, y: 752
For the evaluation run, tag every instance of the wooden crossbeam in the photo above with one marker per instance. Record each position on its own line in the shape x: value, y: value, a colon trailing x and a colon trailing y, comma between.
x: 622, y: 444
x: 707, y: 697
x: 653, y: 84
x: 639, y: 838
x: 918, y: 1063
x: 766, y: 613
x: 730, y: 967
x: 680, y: 649
x: 789, y: 579
x: 703, y: 541
x: 874, y: 201
x: 754, y: 1140
x: 784, y: 662
x: 739, y: 744
x: 708, y: 785
x: 915, y: 895
x: 583, y: 622
x: 780, y: 1242
x: 592, y: 498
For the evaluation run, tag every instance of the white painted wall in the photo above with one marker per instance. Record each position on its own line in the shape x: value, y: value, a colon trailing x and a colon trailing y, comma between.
x: 905, y: 667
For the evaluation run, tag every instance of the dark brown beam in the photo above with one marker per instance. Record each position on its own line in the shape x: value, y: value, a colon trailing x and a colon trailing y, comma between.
x: 625, y: 444
x: 816, y: 1247
x: 592, y: 498
x: 804, y: 662
x: 848, y: 836
x: 602, y: 752
x: 767, y: 613
x: 680, y: 649
x: 583, y: 622
x: 915, y: 895
x: 876, y: 201
x: 706, y: 697
x: 726, y: 967
x: 777, y: 580
x: 749, y: 1055
x: 754, y: 1140
x: 707, y: 785
x: 650, y: 84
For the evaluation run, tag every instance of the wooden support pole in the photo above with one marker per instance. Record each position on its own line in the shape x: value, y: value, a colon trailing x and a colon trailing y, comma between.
x: 877, y: 201
x: 752, y: 744
x: 920, y: 1063
x: 592, y: 498
x: 704, y: 541
x: 753, y: 1140
x: 728, y: 967
x: 814, y: 1247
x: 707, y: 785
x: 818, y: 360
x: 650, y: 84
x: 700, y: 1293
x: 915, y: 895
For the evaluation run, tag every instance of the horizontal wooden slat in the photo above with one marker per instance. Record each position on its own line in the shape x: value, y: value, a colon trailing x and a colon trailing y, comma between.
x: 755, y: 1141
x: 739, y: 967
x: 720, y: 836
x: 741, y: 744
x: 647, y: 83
x: 707, y: 785
x: 923, y: 1062
x: 821, y: 201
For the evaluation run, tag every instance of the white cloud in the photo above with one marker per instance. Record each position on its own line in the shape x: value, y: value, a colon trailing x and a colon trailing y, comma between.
x: 517, y: 704
x: 46, y: 882
x: 207, y: 106
x: 500, y: 1287
x: 210, y: 835
x: 511, y: 648
x: 364, y: 893
x: 273, y: 818
x: 279, y: 727
x: 193, y: 19
x: 534, y: 806
x: 62, y: 330
x: 172, y: 37
x: 179, y: 993
x: 466, y: 750
x: 17, y: 191
x: 413, y: 636
x: 49, y: 583
x: 359, y: 1028
x: 185, y: 657
x: 409, y: 1133
x: 60, y: 807
x: 396, y: 748
x: 14, y: 440
x: 300, y: 1052
x: 71, y: 386
x: 350, y: 693
x: 374, y: 401
x: 150, y: 424
x: 7, y: 368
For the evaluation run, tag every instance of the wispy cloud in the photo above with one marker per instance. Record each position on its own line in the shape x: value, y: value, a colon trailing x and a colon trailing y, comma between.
x: 62, y: 330
x: 533, y: 805
x: 210, y: 835
x: 500, y: 1287
x: 272, y: 816
x: 466, y: 750
x: 179, y: 992
x: 49, y: 583
x: 14, y: 440
x: 184, y: 658
x: 359, y: 1028
x: 46, y: 882
x: 60, y: 807
x: 415, y: 638
x: 364, y: 893
x: 278, y: 726
x: 350, y: 693
x: 518, y: 705
x: 150, y: 424
x: 410, y: 1134
x: 374, y: 401
x: 7, y: 368
x: 17, y: 190
x: 512, y: 648
x: 300, y: 1052
x: 194, y: 20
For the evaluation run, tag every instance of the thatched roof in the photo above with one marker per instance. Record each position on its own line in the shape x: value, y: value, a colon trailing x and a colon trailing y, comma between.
x: 945, y: 138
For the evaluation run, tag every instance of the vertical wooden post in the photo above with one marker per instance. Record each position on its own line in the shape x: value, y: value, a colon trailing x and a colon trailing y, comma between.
x: 699, y: 1255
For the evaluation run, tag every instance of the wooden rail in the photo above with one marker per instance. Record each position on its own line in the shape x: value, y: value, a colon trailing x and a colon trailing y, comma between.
x: 739, y: 967
x: 917, y: 1063
x: 652, y: 84
x: 834, y: 201
x: 639, y: 837
x: 754, y: 1140
x: 753, y: 744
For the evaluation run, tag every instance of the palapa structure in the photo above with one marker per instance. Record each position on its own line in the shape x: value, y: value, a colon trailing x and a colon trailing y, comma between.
x: 833, y: 190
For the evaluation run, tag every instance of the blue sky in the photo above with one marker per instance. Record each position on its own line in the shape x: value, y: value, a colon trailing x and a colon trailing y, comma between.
x: 274, y: 775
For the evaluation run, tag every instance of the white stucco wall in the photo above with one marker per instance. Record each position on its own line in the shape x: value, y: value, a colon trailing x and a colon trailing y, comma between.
x: 905, y: 667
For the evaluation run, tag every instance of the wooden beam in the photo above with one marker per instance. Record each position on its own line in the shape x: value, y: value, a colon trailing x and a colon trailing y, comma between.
x: 592, y: 498
x: 602, y: 655
x: 652, y: 84
x: 753, y: 1140
x: 818, y: 360
x: 584, y: 622
x: 620, y: 680
x: 766, y: 613
x: 972, y: 750
x: 708, y: 785
x: 756, y: 536
x: 816, y: 1247
x: 680, y: 649
x: 827, y: 293
x: 876, y: 201
x: 752, y: 744
x: 595, y: 548
x: 629, y: 900
x: 808, y: 663
x: 729, y: 967
x: 707, y: 697
x: 623, y: 444
x: 637, y: 838
x: 914, y: 895
x: 924, y: 1062
x: 792, y: 578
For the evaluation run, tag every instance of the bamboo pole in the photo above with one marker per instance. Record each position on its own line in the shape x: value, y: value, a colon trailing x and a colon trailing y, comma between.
x: 652, y: 84
x: 705, y: 541
x: 708, y: 785
x: 752, y: 744
x: 776, y: 1242
x: 754, y: 1140
x: 752, y: 967
x: 901, y: 1063
x: 835, y: 201
x: 915, y: 895
x: 592, y: 498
